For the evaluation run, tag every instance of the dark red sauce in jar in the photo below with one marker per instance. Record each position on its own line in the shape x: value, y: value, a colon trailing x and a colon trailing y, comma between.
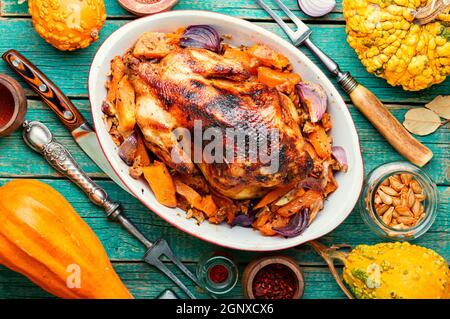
x: 275, y: 281
x: 218, y: 274
x: 7, y: 105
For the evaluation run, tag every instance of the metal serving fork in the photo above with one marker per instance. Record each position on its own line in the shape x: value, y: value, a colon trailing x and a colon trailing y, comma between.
x: 39, y: 138
x: 364, y: 100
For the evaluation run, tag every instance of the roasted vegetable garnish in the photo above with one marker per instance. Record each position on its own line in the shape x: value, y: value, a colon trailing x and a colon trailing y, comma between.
x: 169, y: 81
x: 126, y: 106
x: 201, y: 36
x: 161, y: 183
x: 268, y: 57
x: 153, y: 45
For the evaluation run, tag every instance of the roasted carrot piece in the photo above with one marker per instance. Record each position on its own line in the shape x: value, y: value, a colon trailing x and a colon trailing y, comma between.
x: 193, y: 198
x: 331, y: 184
x: 126, y: 106
x: 310, y: 149
x: 197, y: 182
x: 308, y: 199
x: 248, y: 61
x: 320, y: 141
x: 205, y: 204
x: 268, y: 56
x: 161, y: 183
x: 117, y: 73
x: 269, y: 221
x: 208, y: 205
x: 274, y: 195
x: 273, y: 78
x: 267, y: 230
x: 262, y: 219
x: 141, y: 150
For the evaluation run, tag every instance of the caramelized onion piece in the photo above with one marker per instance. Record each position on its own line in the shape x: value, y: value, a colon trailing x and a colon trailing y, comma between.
x: 314, y: 99
x: 127, y: 150
x: 341, y: 157
x: 296, y: 226
x: 312, y: 183
x: 201, y: 36
x: 246, y: 220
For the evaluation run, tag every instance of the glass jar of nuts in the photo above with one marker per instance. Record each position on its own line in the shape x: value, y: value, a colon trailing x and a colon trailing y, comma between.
x: 399, y: 201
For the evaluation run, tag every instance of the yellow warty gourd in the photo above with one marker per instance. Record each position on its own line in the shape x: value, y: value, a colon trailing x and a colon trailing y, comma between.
x: 396, y: 270
x: 392, y: 46
x: 68, y: 24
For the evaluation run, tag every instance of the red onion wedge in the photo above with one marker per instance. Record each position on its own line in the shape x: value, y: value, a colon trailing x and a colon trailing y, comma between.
x: 314, y: 99
x: 316, y: 8
x: 201, y: 36
x: 246, y: 220
x: 341, y: 157
x: 311, y: 183
x: 296, y: 226
x: 127, y: 150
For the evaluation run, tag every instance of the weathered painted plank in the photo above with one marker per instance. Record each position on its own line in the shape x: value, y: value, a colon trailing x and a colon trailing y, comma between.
x: 70, y: 70
x: 247, y: 9
x: 146, y: 282
x: 120, y: 246
x: 375, y: 150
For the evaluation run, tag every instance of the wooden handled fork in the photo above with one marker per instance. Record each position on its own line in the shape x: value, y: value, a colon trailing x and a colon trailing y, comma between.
x: 364, y: 100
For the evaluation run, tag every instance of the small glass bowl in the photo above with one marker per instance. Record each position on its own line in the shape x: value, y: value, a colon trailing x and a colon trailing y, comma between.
x: 367, y: 201
x: 207, y: 265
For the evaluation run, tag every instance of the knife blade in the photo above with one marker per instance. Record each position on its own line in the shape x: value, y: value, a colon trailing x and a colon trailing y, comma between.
x: 64, y: 109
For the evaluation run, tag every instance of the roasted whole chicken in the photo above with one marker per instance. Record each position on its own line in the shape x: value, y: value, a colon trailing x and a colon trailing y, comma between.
x: 199, y: 85
x: 228, y: 134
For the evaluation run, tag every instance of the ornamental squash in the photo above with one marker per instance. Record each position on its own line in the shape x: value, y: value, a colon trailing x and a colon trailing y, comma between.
x: 393, y: 43
x: 43, y: 238
x: 68, y: 24
x: 390, y: 271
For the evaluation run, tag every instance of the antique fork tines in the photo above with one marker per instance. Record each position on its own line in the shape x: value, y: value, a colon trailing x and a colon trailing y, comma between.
x: 297, y: 37
x: 39, y: 138
x: 301, y: 36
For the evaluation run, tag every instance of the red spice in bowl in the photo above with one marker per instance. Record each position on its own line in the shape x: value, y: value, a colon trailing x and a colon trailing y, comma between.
x: 275, y: 281
x: 218, y: 274
x: 13, y: 105
x: 6, y: 105
x: 273, y: 277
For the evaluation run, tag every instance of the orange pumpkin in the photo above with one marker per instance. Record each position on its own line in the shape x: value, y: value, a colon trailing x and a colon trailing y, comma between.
x: 68, y: 24
x: 44, y: 239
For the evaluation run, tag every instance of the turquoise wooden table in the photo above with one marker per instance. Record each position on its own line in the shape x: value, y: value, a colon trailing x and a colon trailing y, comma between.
x: 69, y: 71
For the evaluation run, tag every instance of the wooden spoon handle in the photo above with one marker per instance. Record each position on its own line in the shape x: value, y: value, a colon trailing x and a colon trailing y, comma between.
x: 46, y: 89
x: 388, y: 126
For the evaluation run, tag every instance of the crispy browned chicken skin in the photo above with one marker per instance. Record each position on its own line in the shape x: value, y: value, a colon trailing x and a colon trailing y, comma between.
x: 196, y: 84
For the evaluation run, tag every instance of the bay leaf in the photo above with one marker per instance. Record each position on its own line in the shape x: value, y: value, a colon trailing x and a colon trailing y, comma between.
x: 421, y: 121
x: 441, y: 106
